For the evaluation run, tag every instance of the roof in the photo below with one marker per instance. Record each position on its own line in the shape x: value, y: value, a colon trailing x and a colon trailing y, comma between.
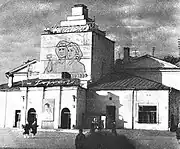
x: 123, y: 81
x: 5, y: 87
x: 27, y: 63
x: 42, y: 83
x: 148, y: 61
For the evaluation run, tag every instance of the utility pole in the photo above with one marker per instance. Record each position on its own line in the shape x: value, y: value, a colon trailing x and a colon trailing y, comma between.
x: 133, y: 108
x: 153, y: 50
x: 26, y: 106
x: 5, y: 114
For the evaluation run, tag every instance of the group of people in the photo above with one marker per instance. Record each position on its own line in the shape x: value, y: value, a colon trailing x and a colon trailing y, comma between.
x: 30, y: 127
x: 96, y: 125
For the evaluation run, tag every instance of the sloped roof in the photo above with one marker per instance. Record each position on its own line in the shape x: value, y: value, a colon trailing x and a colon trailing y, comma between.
x: 5, y: 87
x: 123, y: 81
x: 29, y: 62
x: 148, y: 61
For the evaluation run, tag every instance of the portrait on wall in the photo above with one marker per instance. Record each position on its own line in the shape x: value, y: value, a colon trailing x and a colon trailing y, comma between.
x: 68, y: 55
x: 48, y: 110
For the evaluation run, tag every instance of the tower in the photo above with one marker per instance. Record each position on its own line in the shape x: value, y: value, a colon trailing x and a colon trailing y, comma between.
x: 76, y: 46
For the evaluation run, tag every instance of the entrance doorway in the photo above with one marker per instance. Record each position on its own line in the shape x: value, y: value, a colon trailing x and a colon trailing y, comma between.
x: 17, y: 118
x: 110, y: 115
x: 31, y: 116
x: 65, y: 118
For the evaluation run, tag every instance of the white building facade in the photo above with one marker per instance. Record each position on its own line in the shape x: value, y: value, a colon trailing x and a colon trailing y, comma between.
x: 74, y: 81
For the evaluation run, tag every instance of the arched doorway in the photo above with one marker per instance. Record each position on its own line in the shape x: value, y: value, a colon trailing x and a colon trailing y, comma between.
x: 31, y: 115
x: 65, y: 118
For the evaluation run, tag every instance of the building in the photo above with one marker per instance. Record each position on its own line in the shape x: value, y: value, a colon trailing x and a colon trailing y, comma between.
x: 73, y: 53
x: 76, y: 80
x: 152, y: 68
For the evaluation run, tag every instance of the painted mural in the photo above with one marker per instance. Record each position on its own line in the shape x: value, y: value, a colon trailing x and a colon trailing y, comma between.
x: 69, y: 52
x: 69, y: 55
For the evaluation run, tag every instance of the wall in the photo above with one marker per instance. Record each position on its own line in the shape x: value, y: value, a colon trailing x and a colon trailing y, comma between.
x: 80, y: 107
x: 67, y: 101
x: 97, y: 104
x: 171, y: 78
x: 103, y: 56
x: 157, y: 98
x: 174, y: 111
x: 3, y: 108
x: 35, y: 96
x: 51, y: 96
x: 13, y: 101
x: 70, y: 52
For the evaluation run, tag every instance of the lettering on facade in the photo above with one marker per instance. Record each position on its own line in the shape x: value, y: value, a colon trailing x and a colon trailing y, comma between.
x: 72, y: 29
x: 69, y: 29
x: 46, y: 83
x: 68, y: 55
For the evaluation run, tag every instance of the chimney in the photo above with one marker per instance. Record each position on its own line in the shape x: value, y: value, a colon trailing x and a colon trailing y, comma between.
x: 10, y: 81
x: 126, y: 54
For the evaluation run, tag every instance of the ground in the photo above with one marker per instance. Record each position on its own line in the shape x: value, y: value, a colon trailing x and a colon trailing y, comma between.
x: 64, y: 139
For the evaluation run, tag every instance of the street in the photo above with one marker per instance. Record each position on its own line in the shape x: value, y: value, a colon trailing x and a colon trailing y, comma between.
x: 64, y: 139
x: 13, y: 138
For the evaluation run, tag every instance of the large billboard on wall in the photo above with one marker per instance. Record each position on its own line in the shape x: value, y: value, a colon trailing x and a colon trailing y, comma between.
x: 69, y: 52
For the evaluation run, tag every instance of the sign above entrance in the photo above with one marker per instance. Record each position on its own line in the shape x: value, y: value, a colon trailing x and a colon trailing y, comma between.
x: 48, y: 82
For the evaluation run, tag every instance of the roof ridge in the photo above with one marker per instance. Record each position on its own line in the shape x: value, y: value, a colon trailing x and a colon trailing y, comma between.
x: 21, y: 66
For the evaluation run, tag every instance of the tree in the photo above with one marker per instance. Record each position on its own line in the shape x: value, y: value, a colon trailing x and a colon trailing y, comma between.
x: 171, y: 59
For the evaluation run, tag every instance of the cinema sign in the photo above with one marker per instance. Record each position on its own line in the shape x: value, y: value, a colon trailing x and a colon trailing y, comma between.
x: 71, y: 29
x: 49, y: 82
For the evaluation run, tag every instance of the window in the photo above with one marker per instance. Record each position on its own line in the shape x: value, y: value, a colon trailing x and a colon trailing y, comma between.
x: 147, y: 114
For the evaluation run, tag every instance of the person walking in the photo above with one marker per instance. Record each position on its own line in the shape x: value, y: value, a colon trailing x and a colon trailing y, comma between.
x: 79, y: 141
x: 34, y: 127
x: 114, y: 128
x: 32, y: 121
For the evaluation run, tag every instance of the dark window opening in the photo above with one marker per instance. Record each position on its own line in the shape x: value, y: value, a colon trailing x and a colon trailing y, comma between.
x: 147, y: 114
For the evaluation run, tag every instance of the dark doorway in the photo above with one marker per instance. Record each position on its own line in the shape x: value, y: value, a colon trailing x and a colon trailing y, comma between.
x: 17, y: 118
x: 31, y: 116
x: 110, y: 116
x: 65, y: 118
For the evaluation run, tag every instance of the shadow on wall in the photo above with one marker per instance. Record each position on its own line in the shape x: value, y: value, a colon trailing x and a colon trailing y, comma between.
x: 113, y: 100
x: 99, y: 106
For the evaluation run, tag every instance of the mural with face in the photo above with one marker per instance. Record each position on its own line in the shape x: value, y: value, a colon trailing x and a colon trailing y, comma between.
x: 69, y: 55
x: 61, y: 50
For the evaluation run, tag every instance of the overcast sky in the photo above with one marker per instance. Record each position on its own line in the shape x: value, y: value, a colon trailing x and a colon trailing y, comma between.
x: 140, y: 24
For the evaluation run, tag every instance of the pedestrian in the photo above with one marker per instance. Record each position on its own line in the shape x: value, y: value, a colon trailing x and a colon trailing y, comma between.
x: 92, y: 129
x: 34, y: 127
x: 178, y: 133
x: 79, y: 141
x: 114, y: 128
x: 26, y: 130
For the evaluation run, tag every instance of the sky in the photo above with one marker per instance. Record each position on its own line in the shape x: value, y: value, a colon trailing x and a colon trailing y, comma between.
x: 140, y: 24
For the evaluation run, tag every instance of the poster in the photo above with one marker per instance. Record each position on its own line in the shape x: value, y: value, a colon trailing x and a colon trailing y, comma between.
x: 48, y: 109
